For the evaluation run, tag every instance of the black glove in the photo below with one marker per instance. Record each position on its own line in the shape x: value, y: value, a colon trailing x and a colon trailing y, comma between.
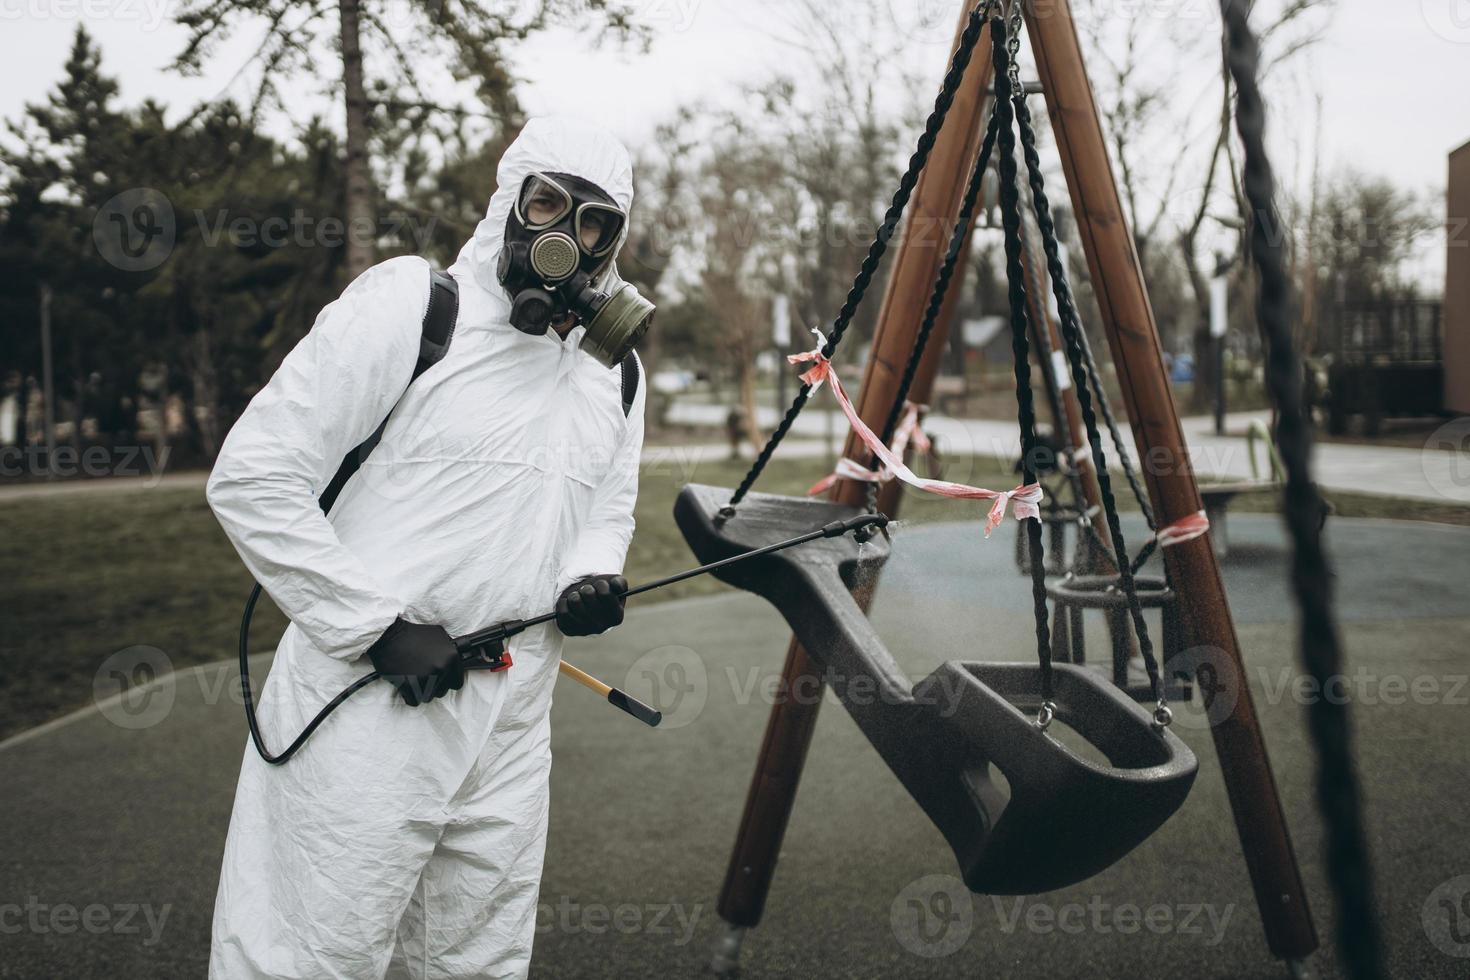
x: 421, y: 661
x: 591, y: 605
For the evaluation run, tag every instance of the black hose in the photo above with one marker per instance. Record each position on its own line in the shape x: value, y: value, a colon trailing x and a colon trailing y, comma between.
x: 498, y: 633
x: 321, y: 716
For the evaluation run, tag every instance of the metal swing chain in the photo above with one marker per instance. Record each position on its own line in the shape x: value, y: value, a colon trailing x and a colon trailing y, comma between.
x: 1014, y: 41
x: 1013, y: 50
x: 1338, y: 792
x: 1014, y: 28
x: 1071, y: 330
x: 1074, y: 478
x: 1074, y: 481
x: 1010, y: 211
x: 937, y: 296
x: 864, y: 278
x: 1125, y: 459
x: 1072, y: 475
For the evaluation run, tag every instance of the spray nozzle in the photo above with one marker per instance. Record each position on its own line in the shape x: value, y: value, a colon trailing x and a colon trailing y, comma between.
x: 863, y: 527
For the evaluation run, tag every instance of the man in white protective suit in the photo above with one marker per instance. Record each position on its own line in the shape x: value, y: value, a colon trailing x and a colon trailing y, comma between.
x: 406, y: 838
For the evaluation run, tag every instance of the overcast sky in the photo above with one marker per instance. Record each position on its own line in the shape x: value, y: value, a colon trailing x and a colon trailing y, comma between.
x: 1394, y: 78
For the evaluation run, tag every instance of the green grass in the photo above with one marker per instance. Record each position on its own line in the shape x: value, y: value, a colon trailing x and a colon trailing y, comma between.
x: 96, y: 572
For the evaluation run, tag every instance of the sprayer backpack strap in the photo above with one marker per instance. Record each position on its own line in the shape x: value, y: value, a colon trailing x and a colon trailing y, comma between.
x: 438, y: 329
x: 630, y: 382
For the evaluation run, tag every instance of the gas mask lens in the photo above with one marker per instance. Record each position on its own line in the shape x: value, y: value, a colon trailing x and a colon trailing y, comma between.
x: 542, y: 203
x: 598, y: 228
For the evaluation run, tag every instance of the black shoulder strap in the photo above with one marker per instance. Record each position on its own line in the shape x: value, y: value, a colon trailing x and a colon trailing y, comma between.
x: 631, y: 374
x: 439, y: 319
x: 438, y: 330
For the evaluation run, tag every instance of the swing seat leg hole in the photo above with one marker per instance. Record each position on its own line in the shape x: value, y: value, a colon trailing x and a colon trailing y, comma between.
x: 1100, y: 764
x: 1074, y: 596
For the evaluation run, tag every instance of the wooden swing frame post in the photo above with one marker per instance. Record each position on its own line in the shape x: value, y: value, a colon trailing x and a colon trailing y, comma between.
x: 1163, y: 455
x: 1067, y: 413
x: 1128, y: 320
x: 932, y: 212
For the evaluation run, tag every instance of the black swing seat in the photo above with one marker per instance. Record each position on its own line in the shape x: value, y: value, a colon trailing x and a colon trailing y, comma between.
x: 1058, y: 817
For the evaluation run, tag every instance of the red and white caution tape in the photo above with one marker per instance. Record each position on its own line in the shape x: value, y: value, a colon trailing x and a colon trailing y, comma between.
x: 849, y: 469
x: 909, y: 430
x: 1182, y: 530
x: 1025, y: 499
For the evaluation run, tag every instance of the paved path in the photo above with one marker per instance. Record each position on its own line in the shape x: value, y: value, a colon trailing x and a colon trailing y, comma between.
x: 1431, y: 474
x: 677, y: 458
x: 120, y: 484
x: 1435, y: 475
x: 104, y: 812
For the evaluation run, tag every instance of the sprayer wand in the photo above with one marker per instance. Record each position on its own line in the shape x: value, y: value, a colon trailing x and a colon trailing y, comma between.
x: 485, y: 649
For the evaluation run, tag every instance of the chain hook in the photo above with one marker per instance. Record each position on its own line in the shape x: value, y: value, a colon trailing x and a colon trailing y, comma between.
x: 1163, y: 715
x: 1045, y: 715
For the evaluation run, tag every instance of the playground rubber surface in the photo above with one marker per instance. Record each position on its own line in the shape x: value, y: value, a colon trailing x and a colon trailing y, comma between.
x: 126, y: 806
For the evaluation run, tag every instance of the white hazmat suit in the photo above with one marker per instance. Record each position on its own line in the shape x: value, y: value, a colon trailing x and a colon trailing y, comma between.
x: 408, y: 841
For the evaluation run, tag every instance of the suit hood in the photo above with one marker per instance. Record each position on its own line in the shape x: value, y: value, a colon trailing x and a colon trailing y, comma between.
x: 552, y: 144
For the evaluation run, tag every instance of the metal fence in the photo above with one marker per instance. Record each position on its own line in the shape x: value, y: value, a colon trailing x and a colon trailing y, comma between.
x: 1387, y: 331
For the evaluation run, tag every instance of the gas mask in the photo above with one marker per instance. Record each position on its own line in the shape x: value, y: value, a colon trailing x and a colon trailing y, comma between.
x: 558, y: 260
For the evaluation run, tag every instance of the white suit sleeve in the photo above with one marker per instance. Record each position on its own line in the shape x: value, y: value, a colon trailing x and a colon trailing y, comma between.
x: 329, y: 394
x: 602, y: 546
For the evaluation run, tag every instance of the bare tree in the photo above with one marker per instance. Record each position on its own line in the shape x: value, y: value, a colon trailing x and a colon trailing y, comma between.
x: 468, y: 41
x: 732, y: 277
x: 1183, y: 193
x: 779, y: 193
x: 1132, y: 108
